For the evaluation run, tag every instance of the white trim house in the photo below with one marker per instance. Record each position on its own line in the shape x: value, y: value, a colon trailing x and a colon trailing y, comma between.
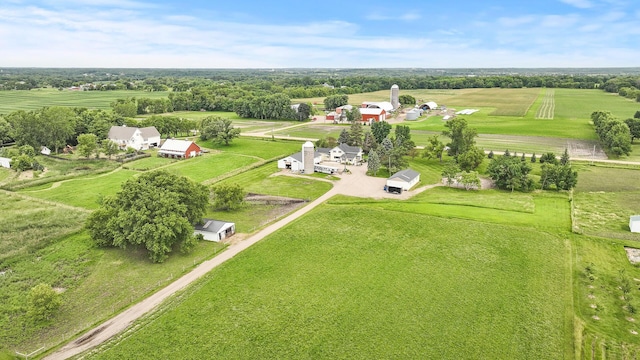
x: 133, y: 137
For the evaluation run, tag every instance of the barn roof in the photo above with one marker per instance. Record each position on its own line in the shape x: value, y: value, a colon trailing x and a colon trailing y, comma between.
x: 176, y: 145
x: 387, y: 106
x: 406, y: 175
x: 371, y: 111
x: 634, y: 218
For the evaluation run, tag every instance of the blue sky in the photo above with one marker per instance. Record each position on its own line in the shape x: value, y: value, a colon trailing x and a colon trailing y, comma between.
x: 327, y: 34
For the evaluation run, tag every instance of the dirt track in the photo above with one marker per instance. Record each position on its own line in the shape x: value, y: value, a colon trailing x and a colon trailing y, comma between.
x: 357, y: 183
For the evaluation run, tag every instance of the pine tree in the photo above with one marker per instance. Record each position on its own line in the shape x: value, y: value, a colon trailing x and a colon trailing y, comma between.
x: 373, y: 163
x: 533, y: 158
x: 564, y: 160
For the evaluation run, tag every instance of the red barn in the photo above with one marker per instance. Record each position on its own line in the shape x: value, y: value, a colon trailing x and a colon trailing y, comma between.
x: 179, y: 149
x: 370, y: 115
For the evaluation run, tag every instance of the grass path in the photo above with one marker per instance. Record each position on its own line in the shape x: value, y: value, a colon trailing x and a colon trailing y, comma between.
x: 43, y: 201
x: 548, y: 107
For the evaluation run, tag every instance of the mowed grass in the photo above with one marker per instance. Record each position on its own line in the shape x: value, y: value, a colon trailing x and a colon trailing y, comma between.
x: 245, y: 124
x: 38, y: 98
x: 260, y: 148
x: 266, y: 180
x: 374, y: 284
x: 209, y: 166
x: 83, y: 192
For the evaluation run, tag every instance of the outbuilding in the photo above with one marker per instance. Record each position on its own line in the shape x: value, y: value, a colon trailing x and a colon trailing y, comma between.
x: 371, y: 115
x: 294, y: 162
x: 429, y: 105
x: 634, y: 223
x: 179, y: 149
x: 402, y: 180
x: 5, y: 162
x: 215, y: 230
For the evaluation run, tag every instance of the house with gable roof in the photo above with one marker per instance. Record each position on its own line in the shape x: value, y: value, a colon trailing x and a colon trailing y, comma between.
x: 133, y: 137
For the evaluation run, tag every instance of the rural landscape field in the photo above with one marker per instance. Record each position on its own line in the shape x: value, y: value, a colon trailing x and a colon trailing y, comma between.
x: 439, y: 272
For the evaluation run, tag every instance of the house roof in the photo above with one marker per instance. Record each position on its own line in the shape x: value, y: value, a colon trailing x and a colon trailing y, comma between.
x: 214, y: 226
x: 298, y: 156
x: 149, y: 131
x: 406, y: 175
x: 176, y: 145
x: 121, y: 132
x: 634, y: 218
x: 350, y: 149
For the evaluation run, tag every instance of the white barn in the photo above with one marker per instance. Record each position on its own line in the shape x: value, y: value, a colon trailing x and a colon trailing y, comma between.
x: 402, y: 180
x: 634, y: 223
x: 215, y: 230
x: 294, y: 162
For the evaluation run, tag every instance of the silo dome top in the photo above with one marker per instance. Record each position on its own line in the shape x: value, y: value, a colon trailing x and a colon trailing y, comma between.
x: 395, y: 86
x: 308, y: 144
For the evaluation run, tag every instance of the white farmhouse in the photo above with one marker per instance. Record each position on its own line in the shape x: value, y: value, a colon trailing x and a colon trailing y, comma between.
x: 402, y: 180
x: 133, y: 137
x: 634, y: 223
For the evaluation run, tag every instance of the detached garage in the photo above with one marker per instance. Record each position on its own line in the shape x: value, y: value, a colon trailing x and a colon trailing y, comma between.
x: 215, y: 230
x: 634, y: 223
x: 402, y: 180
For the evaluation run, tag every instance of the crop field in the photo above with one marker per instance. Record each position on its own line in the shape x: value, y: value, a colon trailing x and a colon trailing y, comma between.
x: 548, y: 106
x: 577, y: 104
x: 375, y: 284
x: 38, y: 98
x: 246, y: 125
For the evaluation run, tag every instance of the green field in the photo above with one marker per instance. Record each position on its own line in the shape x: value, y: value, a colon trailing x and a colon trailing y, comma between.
x: 35, y: 99
x: 374, y: 284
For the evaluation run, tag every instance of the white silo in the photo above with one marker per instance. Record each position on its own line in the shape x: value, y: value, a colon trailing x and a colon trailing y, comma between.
x: 307, y: 157
x: 395, y: 96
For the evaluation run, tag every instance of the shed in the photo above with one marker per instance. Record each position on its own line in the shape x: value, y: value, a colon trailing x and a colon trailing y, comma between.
x: 5, y: 162
x: 402, y: 180
x: 634, y: 223
x: 45, y: 150
x: 293, y: 162
x: 215, y: 230
x: 179, y: 149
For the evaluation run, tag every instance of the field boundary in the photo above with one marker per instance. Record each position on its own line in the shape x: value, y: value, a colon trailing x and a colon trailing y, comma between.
x: 548, y: 107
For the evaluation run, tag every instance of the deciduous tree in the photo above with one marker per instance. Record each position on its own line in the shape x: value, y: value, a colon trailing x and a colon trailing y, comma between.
x: 155, y: 211
x: 43, y: 302
x: 87, y: 144
x: 380, y: 130
x: 219, y: 130
x: 228, y: 197
x: 434, y: 148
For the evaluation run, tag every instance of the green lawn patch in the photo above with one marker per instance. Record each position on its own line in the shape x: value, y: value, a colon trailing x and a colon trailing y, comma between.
x: 374, y: 284
x: 83, y: 191
x: 262, y: 148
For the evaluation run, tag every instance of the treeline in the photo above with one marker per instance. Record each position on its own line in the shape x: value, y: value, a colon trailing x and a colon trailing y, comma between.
x: 626, y: 86
x: 616, y: 135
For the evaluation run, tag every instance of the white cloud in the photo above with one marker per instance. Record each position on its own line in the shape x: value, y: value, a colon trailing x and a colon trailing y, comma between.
x: 385, y: 16
x: 516, y: 21
x: 582, y: 4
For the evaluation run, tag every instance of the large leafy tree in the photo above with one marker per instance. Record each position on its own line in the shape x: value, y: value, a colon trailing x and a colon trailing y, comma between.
x: 88, y: 144
x: 60, y: 124
x: 470, y: 159
x: 6, y: 131
x: 462, y: 137
x: 334, y: 101
x: 228, y: 197
x: 509, y: 173
x: 633, y: 124
x: 354, y: 115
x: 304, y: 111
x: 155, y: 211
x: 380, y: 130
x: 220, y: 130
x: 434, y: 148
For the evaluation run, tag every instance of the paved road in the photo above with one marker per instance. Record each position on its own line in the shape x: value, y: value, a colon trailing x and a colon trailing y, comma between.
x: 357, y: 183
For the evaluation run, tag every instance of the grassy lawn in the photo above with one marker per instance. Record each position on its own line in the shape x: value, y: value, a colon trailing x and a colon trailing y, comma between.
x: 83, y: 191
x: 374, y: 284
x: 38, y: 98
x: 261, y: 148
x: 579, y: 104
x: 209, y: 166
x: 261, y: 180
x: 148, y: 163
